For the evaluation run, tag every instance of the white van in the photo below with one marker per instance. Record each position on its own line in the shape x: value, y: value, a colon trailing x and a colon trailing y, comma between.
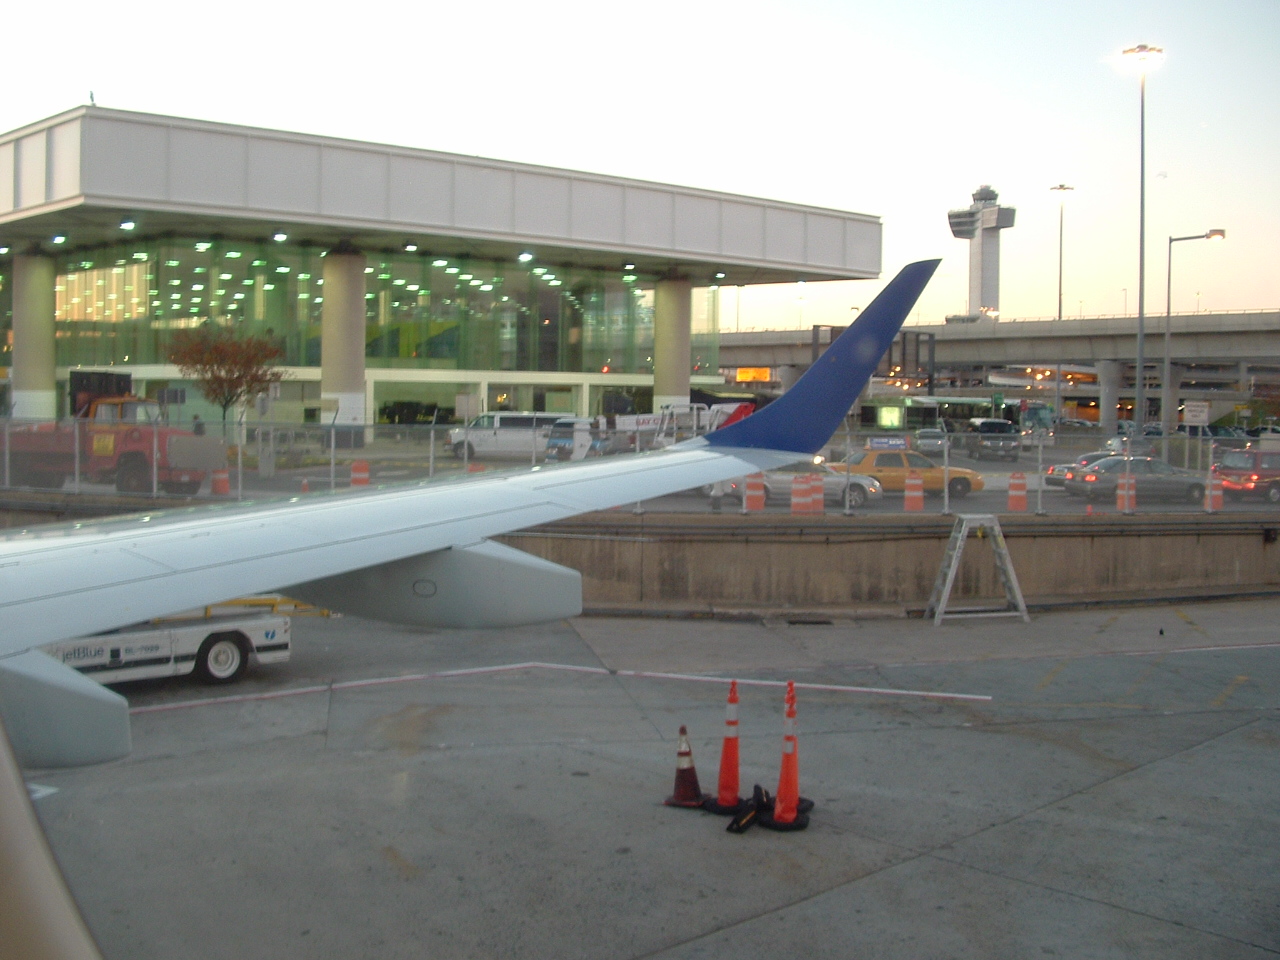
x: 503, y: 434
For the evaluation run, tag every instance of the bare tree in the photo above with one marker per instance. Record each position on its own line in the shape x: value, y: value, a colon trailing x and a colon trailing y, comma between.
x: 227, y: 369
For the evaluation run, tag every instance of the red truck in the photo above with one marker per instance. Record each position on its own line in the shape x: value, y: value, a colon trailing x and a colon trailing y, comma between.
x: 121, y: 439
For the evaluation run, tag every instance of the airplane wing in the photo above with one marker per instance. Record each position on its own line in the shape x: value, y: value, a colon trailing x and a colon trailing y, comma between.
x: 410, y: 553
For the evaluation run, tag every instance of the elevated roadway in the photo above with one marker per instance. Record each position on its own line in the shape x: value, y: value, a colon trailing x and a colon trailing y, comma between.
x: 1229, y: 349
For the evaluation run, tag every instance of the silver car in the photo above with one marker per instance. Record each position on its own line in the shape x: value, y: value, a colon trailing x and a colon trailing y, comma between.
x: 777, y: 485
x: 931, y: 441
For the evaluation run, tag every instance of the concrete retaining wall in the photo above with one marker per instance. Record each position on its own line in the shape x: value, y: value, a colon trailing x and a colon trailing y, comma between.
x: 731, y: 561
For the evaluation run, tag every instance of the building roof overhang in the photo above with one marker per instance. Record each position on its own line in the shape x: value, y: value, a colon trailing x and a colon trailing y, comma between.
x: 82, y: 173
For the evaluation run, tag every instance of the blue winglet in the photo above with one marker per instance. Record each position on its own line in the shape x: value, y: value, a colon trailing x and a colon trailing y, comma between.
x: 804, y: 418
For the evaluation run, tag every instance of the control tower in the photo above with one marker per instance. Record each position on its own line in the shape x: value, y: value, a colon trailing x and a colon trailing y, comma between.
x: 981, y: 224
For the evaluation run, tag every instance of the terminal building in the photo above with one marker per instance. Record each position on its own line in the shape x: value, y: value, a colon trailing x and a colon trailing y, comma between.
x: 387, y: 274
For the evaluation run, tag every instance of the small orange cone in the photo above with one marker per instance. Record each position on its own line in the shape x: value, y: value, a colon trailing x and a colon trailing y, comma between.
x: 728, y: 800
x: 790, y: 810
x: 687, y: 792
x: 306, y: 487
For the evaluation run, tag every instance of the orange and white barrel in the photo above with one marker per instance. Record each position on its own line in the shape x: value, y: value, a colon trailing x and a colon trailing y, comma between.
x: 913, y: 496
x: 221, y: 483
x: 753, y: 499
x: 1017, y: 493
x: 359, y: 473
x: 817, y: 494
x: 1213, y: 496
x: 800, y: 494
x: 1127, y: 493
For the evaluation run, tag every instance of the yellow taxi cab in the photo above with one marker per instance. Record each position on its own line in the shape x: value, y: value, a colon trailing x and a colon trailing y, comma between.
x: 891, y: 467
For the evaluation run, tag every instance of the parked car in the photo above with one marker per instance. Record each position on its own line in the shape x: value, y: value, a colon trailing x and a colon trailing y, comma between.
x: 1224, y: 437
x: 931, y: 441
x: 1251, y: 472
x: 891, y: 467
x: 991, y: 437
x: 1056, y: 475
x: 777, y: 484
x: 1156, y: 480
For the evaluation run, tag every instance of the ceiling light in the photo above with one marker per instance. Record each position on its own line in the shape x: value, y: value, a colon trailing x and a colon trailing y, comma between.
x: 410, y: 247
x: 525, y: 257
x: 280, y: 237
x: 127, y: 224
x: 60, y: 238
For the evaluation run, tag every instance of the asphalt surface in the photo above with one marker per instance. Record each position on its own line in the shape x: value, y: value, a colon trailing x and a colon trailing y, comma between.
x: 394, y: 793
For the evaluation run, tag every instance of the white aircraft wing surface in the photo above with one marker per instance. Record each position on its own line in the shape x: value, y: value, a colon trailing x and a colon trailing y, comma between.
x: 72, y: 580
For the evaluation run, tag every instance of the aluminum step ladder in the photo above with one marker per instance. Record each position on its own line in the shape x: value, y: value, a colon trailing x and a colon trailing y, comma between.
x: 984, y: 525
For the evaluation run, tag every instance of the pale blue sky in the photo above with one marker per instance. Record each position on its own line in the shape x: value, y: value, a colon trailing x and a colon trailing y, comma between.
x: 899, y: 109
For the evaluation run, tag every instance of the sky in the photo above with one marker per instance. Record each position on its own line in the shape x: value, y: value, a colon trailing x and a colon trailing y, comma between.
x: 899, y: 109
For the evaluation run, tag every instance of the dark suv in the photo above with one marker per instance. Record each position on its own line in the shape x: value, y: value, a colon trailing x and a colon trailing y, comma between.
x: 987, y: 436
x: 1250, y: 472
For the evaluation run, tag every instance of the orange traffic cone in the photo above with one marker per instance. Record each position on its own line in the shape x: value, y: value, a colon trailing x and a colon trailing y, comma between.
x: 306, y: 487
x: 687, y: 792
x: 728, y: 801
x: 790, y: 810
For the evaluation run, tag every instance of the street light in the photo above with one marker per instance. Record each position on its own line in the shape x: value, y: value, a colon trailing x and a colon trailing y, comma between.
x: 1144, y: 57
x: 1166, y: 405
x: 1062, y: 188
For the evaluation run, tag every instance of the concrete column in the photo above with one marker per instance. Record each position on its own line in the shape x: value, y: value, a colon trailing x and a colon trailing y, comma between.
x: 1108, y: 396
x: 1169, y: 398
x: 34, y: 384
x: 1242, y: 382
x: 342, y: 333
x: 672, y: 316
x: 788, y: 375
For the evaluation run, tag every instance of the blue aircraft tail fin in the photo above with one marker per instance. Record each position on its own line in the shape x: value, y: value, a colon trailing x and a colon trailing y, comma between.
x: 804, y: 418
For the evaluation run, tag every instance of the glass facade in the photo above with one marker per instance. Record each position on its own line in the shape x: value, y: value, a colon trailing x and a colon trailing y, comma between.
x: 121, y: 306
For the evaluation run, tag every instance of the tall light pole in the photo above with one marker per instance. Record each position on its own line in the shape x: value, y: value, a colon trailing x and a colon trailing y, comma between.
x: 1167, y: 381
x: 1145, y: 57
x: 1062, y: 187
x: 1057, y: 381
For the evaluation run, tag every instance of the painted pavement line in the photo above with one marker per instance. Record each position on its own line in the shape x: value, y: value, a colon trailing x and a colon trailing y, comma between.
x: 537, y: 665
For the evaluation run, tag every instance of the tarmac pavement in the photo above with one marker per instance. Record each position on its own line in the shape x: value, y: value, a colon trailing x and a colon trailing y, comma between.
x: 400, y: 793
